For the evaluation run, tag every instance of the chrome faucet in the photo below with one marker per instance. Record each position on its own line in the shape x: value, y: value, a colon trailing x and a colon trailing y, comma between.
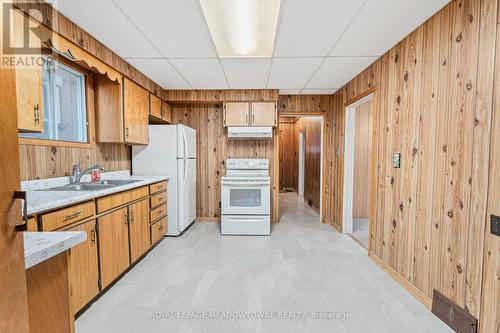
x: 77, y: 174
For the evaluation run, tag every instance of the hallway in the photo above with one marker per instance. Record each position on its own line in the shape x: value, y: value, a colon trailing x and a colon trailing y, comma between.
x: 304, y: 268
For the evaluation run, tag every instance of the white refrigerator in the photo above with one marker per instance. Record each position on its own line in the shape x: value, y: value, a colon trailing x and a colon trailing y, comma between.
x: 171, y: 151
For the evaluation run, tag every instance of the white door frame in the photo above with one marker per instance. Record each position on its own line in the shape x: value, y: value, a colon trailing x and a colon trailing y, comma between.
x: 349, y: 147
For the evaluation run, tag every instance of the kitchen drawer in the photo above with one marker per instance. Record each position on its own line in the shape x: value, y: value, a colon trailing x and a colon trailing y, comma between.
x: 157, y: 187
x: 158, y: 199
x: 158, y: 212
x: 120, y: 199
x: 66, y: 216
x: 159, y: 229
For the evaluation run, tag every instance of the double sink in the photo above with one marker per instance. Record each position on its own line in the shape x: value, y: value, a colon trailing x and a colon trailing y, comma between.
x: 96, y: 186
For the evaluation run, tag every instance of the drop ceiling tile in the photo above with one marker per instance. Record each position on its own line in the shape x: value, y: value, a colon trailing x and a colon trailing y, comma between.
x: 104, y: 21
x: 246, y: 73
x: 382, y: 24
x: 201, y: 73
x: 291, y: 73
x: 337, y: 71
x: 161, y: 72
x: 318, y: 91
x: 310, y: 28
x: 177, y: 28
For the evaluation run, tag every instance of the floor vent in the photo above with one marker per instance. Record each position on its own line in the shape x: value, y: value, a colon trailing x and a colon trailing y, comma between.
x: 454, y: 316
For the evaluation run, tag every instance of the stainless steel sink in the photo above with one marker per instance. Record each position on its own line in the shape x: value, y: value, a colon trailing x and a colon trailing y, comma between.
x: 103, y: 184
x: 80, y: 187
x: 117, y: 182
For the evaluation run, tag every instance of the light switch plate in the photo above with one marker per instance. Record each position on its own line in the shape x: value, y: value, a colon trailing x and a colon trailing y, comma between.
x: 396, y: 160
x: 495, y: 225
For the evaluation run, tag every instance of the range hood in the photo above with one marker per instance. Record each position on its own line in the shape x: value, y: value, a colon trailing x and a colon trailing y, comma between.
x: 250, y: 132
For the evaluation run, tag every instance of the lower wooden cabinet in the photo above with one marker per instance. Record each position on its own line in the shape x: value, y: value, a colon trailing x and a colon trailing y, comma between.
x: 113, y: 245
x: 139, y: 229
x: 121, y: 230
x: 83, y: 273
x: 159, y: 229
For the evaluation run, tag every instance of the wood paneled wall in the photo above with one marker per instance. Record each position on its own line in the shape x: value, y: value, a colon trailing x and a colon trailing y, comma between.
x: 433, y: 103
x: 362, y: 162
x: 202, y: 110
x: 39, y: 162
x: 311, y: 126
x: 219, y: 96
x: 490, y: 300
x: 288, y: 160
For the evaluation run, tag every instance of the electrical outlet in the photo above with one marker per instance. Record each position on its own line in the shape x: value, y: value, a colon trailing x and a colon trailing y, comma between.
x: 495, y: 225
x: 396, y: 160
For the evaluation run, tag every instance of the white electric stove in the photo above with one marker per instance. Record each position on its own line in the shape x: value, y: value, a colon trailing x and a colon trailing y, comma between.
x: 246, y: 197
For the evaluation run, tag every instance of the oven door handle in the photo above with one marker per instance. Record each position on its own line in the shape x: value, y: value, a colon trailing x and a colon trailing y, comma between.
x: 245, y: 184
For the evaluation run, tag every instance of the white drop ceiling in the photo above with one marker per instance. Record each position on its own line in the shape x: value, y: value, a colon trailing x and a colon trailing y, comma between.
x: 320, y: 45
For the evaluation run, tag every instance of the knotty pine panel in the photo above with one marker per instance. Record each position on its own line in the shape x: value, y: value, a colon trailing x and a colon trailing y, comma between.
x: 219, y: 96
x: 39, y: 162
x: 287, y: 157
x: 486, y: 114
x: 311, y: 126
x: 433, y: 103
x: 213, y: 148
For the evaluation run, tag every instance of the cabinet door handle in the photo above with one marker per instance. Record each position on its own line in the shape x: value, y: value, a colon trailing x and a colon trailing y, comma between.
x: 132, y: 217
x: 36, y: 110
x: 246, y: 119
x: 92, y: 235
x: 253, y: 119
x: 71, y: 216
x: 22, y: 195
x: 126, y: 132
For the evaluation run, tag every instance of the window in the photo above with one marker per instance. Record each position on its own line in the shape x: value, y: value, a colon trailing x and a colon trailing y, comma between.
x: 64, y: 104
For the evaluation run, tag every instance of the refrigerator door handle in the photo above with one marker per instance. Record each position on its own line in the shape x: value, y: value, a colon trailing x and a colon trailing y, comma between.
x: 184, y: 143
x: 185, y: 172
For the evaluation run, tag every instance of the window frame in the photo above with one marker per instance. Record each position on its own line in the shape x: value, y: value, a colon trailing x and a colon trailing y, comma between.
x: 89, y: 106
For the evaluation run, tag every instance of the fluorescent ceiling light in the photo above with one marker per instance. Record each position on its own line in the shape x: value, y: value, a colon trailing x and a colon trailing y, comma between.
x: 242, y: 28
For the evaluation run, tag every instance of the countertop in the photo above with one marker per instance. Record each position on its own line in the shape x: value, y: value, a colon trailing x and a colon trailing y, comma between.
x: 40, y: 201
x: 40, y: 246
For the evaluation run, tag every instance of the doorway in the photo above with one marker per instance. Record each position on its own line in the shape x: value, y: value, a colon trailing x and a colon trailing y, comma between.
x: 301, y: 163
x: 302, y: 159
x: 357, y: 169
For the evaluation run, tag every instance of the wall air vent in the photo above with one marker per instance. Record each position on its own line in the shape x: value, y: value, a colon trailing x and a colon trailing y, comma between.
x: 452, y: 315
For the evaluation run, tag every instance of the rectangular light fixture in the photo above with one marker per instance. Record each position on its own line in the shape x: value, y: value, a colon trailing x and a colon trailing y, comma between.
x: 242, y: 28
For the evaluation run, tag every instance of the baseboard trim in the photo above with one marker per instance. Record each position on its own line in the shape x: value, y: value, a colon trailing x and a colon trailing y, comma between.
x: 333, y: 224
x: 419, y: 295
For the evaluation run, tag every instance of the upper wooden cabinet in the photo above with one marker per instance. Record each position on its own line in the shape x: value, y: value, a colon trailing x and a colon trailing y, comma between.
x: 264, y: 114
x: 108, y: 101
x: 160, y: 111
x: 155, y: 106
x: 28, y: 80
x: 250, y: 114
x: 236, y: 114
x: 166, y: 112
x: 135, y: 112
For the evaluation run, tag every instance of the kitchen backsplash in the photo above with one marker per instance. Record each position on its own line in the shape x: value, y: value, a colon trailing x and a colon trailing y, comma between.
x: 39, y: 162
